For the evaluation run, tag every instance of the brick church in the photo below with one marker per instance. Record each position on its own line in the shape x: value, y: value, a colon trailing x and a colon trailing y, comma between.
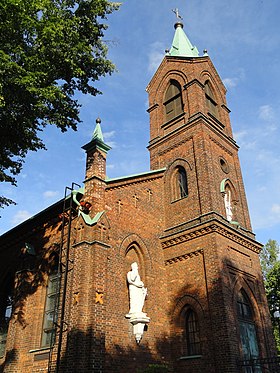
x: 158, y: 270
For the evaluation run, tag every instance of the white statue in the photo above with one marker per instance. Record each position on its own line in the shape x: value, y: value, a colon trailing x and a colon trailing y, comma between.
x: 137, y: 291
x: 228, y: 206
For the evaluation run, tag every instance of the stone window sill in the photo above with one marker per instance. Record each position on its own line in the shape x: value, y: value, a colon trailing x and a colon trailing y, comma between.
x: 190, y: 357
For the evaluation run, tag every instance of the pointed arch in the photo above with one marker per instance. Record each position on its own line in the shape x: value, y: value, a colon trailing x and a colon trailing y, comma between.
x: 132, y: 249
x: 229, y: 195
x: 180, y: 183
x: 210, y: 99
x: 173, y: 101
x: 178, y: 179
x: 187, y: 319
x: 248, y: 341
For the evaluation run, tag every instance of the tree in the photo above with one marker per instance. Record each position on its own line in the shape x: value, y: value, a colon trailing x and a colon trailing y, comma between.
x: 272, y: 286
x: 49, y: 49
x: 269, y: 256
x: 271, y: 270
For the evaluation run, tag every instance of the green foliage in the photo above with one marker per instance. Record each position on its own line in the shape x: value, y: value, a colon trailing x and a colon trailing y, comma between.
x: 155, y: 368
x: 271, y: 270
x: 269, y: 256
x: 272, y: 286
x: 49, y: 49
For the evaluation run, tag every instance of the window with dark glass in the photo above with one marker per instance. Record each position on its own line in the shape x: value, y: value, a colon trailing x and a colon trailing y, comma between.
x: 210, y: 99
x: 192, y: 334
x: 182, y: 182
x: 51, y: 307
x: 173, y: 100
x: 248, y: 336
x: 6, y: 311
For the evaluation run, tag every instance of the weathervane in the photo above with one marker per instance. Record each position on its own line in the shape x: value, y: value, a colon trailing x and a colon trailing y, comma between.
x: 176, y: 11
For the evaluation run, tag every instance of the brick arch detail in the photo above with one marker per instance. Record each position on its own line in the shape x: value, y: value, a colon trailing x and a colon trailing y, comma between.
x: 228, y: 182
x: 182, y: 303
x: 177, y: 75
x: 241, y: 283
x: 136, y: 241
x: 206, y: 75
x: 170, y: 187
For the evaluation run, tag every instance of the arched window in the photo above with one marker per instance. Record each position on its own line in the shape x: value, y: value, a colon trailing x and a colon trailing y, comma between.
x: 248, y: 337
x: 180, y: 183
x: 51, y: 305
x: 210, y: 99
x: 173, y: 100
x: 193, y: 345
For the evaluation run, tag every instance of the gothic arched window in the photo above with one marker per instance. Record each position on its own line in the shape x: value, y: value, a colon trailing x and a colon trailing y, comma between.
x: 51, y: 305
x: 210, y: 99
x: 180, y: 181
x: 173, y: 100
x: 248, y: 337
x: 192, y: 334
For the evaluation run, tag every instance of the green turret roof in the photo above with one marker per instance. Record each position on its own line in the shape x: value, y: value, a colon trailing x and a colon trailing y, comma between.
x: 97, y: 140
x: 97, y: 133
x: 181, y: 46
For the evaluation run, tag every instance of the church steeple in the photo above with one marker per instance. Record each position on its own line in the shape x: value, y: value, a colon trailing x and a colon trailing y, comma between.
x: 181, y: 45
x: 190, y: 130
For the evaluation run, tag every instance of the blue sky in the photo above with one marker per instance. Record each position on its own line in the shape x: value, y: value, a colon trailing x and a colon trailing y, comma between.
x: 243, y: 40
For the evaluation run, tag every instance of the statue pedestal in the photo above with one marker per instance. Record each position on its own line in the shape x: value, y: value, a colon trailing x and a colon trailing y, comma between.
x: 138, y: 320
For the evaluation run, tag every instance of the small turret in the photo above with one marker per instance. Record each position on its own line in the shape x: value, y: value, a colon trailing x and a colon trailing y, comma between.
x: 96, y: 151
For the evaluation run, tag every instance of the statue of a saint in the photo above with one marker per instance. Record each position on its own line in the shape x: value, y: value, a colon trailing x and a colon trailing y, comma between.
x: 137, y: 291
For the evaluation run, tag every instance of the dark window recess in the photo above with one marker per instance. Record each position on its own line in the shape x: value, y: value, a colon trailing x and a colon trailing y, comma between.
x: 192, y: 334
x: 210, y: 100
x: 247, y: 329
x: 51, y: 307
x: 182, y: 182
x: 173, y: 100
x: 6, y: 311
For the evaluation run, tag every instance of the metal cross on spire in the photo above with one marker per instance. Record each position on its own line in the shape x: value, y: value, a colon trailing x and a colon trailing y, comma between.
x: 176, y: 12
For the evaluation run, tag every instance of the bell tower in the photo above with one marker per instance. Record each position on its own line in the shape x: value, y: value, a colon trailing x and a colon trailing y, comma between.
x: 189, y: 120
x: 210, y: 251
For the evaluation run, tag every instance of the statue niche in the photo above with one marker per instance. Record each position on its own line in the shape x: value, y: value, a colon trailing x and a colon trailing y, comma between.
x: 137, y: 296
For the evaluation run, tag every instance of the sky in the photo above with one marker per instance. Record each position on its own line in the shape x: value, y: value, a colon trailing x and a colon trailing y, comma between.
x: 242, y: 38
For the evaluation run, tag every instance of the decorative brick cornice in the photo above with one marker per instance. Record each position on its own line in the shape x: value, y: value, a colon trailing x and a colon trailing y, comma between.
x: 236, y: 238
x: 193, y: 233
x: 152, y: 107
x: 182, y: 257
x: 186, y: 237
x: 175, y: 145
x: 221, y: 146
x: 128, y: 182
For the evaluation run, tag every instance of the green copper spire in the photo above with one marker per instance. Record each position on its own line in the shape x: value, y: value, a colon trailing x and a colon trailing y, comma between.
x: 181, y: 46
x: 97, y: 133
x: 97, y: 140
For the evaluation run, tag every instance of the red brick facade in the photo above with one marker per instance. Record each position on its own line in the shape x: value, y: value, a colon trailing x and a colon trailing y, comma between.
x: 192, y: 257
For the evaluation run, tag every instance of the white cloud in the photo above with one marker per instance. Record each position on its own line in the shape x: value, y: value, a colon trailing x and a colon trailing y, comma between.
x: 155, y: 56
x: 50, y: 193
x: 107, y: 138
x: 266, y: 113
x: 275, y: 208
x: 230, y: 82
x: 108, y: 135
x: 21, y: 216
x: 239, y: 135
